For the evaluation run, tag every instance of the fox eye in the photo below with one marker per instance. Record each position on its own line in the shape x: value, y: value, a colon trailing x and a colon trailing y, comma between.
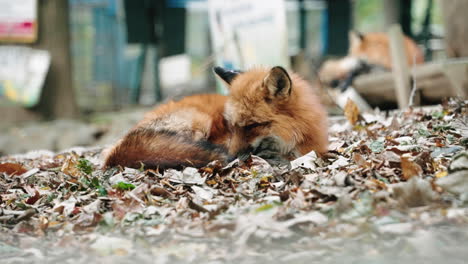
x: 255, y: 125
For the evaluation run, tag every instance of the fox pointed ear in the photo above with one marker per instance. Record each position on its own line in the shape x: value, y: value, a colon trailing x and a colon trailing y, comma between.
x: 355, y: 37
x: 278, y: 83
x: 226, y: 75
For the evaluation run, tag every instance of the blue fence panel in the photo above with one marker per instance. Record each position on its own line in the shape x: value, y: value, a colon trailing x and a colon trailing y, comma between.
x: 181, y: 3
x: 104, y: 75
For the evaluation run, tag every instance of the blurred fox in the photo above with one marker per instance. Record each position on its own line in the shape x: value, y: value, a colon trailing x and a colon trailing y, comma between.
x: 268, y: 113
x: 374, y: 48
x: 367, y: 52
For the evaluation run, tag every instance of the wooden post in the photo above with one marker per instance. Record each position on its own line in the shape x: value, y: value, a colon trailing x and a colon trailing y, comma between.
x: 400, y: 69
x: 58, y: 99
x: 391, y: 12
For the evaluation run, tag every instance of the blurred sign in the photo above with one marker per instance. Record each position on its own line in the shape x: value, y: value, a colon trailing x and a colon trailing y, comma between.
x: 18, y: 21
x: 246, y: 33
x: 22, y: 74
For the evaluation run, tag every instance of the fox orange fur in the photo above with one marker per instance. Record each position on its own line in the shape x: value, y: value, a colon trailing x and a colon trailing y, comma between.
x: 375, y: 49
x: 370, y: 48
x: 269, y: 104
x: 190, y: 132
x: 268, y: 112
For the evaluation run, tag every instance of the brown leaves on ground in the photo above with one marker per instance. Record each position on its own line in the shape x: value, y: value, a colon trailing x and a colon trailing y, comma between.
x: 351, y: 112
x: 12, y: 168
x: 379, y: 179
x: 409, y: 167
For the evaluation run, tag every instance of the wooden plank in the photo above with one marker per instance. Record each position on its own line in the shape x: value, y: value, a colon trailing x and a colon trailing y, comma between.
x: 434, y: 80
x: 400, y: 67
x: 380, y: 88
x: 457, y: 74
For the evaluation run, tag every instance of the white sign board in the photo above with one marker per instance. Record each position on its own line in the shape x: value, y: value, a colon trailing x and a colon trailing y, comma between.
x: 248, y: 33
x: 22, y: 74
x: 18, y: 21
x: 174, y: 70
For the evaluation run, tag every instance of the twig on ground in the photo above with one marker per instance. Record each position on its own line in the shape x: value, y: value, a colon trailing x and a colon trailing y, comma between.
x: 414, y: 88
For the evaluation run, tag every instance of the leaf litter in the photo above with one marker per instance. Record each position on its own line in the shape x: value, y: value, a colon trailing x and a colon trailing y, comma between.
x: 392, y: 186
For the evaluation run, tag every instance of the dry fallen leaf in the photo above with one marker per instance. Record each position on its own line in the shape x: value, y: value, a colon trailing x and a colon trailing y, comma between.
x: 33, y: 199
x: 359, y: 160
x: 413, y: 193
x: 351, y: 112
x: 441, y: 174
x: 69, y: 167
x: 409, y: 167
x: 12, y: 168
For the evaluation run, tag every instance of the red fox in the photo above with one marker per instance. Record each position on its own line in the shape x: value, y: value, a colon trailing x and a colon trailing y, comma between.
x: 375, y: 49
x: 367, y: 52
x: 268, y: 113
x: 268, y: 108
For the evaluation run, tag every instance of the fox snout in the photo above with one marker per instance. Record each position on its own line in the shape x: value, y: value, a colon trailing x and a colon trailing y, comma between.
x: 239, y: 146
x: 244, y: 153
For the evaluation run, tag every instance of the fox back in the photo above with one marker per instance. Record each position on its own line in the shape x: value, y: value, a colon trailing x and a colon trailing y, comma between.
x: 189, y: 132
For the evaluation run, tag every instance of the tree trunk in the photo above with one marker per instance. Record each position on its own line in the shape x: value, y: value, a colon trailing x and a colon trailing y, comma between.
x: 57, y: 99
x: 398, y: 12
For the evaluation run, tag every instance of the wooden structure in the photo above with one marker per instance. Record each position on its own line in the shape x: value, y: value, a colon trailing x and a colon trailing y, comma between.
x: 433, y: 81
x: 400, y: 66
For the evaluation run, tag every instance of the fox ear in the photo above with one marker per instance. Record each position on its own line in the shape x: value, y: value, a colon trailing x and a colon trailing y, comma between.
x: 355, y: 37
x: 226, y: 75
x: 278, y: 83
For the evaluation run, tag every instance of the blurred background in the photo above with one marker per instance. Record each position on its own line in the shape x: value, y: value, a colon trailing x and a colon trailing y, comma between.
x: 83, y: 60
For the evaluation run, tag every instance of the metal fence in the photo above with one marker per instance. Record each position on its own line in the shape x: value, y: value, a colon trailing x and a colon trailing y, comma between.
x: 106, y: 70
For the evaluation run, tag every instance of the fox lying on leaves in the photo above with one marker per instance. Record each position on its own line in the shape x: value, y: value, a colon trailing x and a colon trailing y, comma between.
x: 268, y: 113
